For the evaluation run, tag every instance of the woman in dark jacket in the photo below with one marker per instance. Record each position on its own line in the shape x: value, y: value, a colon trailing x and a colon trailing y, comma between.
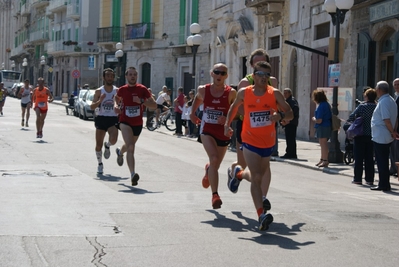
x: 363, y: 146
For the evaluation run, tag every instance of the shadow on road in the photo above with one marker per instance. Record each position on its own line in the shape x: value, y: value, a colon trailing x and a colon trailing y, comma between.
x: 110, y: 178
x: 280, y: 230
x: 136, y: 190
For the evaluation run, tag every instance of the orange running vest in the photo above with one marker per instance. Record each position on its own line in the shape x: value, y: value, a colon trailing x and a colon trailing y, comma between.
x: 258, y: 129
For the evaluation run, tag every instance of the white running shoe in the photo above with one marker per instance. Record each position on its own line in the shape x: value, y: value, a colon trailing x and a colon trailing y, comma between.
x: 107, y: 153
x: 119, y: 159
x: 100, y: 168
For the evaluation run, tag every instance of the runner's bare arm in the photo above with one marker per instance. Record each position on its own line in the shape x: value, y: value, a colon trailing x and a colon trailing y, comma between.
x: 50, y: 96
x: 198, y: 100
x: 97, y: 99
x: 232, y: 112
x: 286, y: 111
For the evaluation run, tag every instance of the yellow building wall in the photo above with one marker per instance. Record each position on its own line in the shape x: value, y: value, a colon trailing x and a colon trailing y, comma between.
x: 157, y: 17
x: 125, y: 12
x: 105, y: 13
x: 136, y: 11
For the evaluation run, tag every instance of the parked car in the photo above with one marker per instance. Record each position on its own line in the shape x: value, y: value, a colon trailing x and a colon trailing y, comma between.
x: 13, y: 90
x: 78, y: 101
x: 84, y: 107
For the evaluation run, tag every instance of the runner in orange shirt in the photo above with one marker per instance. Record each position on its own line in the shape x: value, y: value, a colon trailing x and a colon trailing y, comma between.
x: 261, y: 103
x: 41, y: 96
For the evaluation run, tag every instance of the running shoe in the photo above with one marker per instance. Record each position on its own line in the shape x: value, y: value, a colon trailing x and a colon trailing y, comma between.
x: 100, y: 168
x: 205, y: 180
x: 107, y: 153
x: 135, y: 178
x: 264, y: 221
x: 266, y: 205
x: 22, y: 123
x: 229, y: 176
x: 37, y: 135
x: 26, y: 124
x: 216, y: 201
x: 41, y: 134
x: 235, y: 182
x: 119, y: 159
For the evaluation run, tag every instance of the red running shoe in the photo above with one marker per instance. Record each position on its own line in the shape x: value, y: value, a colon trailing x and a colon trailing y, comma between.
x: 205, y: 180
x: 216, y: 202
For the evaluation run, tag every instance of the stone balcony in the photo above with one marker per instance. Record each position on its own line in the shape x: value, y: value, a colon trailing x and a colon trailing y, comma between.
x: 261, y: 3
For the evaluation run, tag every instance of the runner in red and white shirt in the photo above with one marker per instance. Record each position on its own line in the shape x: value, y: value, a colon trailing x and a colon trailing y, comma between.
x: 129, y: 104
x: 217, y: 98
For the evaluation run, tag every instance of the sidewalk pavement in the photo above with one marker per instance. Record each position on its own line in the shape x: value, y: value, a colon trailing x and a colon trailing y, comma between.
x: 308, y: 153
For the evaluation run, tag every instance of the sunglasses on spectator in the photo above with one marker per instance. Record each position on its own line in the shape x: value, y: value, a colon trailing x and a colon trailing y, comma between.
x: 218, y: 72
x: 262, y: 73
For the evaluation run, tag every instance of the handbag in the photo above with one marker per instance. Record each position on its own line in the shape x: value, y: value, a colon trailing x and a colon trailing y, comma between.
x: 336, y: 122
x: 355, y: 129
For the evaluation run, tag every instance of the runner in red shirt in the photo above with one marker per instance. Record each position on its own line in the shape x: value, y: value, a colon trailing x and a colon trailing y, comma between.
x: 129, y: 104
x: 217, y: 98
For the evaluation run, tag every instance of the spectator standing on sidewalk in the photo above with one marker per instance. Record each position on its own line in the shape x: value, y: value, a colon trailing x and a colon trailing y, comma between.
x: 216, y: 99
x: 71, y: 104
x: 106, y: 119
x: 261, y: 102
x: 363, y: 146
x: 290, y: 126
x: 394, y: 149
x: 323, y: 124
x: 383, y: 132
x: 178, y: 103
x: 129, y: 104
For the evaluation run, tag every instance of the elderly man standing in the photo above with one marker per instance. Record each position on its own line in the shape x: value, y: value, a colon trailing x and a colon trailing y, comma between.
x: 383, y: 131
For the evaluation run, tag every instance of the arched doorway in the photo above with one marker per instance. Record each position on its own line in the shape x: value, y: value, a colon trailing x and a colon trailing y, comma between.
x: 146, y: 75
x: 387, y: 58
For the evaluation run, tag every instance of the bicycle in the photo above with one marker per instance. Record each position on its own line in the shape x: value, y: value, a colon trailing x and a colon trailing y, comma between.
x: 166, y: 118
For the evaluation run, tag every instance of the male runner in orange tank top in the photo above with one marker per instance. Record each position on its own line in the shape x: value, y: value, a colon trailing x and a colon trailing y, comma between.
x: 261, y: 104
x: 41, y: 96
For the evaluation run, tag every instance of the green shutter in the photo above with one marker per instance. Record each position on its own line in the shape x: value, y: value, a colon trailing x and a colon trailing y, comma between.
x: 182, y: 22
x: 194, y: 12
x: 76, y: 35
x: 146, y: 11
x: 116, y: 13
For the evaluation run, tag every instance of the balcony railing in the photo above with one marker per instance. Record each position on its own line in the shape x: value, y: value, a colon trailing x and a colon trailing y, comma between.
x: 110, y: 34
x: 25, y: 9
x: 81, y: 47
x: 39, y: 36
x: 18, y: 50
x: 57, y: 5
x: 140, y: 31
x: 260, y: 3
x: 73, y: 10
x: 39, y: 3
x: 55, y: 46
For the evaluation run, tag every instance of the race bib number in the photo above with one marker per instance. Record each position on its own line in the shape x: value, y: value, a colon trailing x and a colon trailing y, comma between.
x: 133, y: 111
x: 108, y: 106
x: 260, y: 118
x: 211, y: 116
x: 42, y: 104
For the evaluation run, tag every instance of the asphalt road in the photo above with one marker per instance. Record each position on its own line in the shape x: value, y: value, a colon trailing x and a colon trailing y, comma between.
x: 56, y: 211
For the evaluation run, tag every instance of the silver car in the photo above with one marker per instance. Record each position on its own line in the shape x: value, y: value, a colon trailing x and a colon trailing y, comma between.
x: 78, y: 99
x: 84, y: 106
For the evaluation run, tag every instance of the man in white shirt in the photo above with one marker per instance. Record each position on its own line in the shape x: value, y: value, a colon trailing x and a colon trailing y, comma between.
x: 163, y: 101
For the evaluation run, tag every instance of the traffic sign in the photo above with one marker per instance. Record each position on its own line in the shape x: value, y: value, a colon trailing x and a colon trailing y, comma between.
x: 75, y: 74
x: 50, y: 69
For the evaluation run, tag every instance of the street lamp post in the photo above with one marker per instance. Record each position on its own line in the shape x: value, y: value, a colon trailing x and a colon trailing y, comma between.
x: 42, y: 63
x: 25, y: 65
x: 12, y: 64
x: 337, y: 9
x: 194, y: 41
x: 119, y: 55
